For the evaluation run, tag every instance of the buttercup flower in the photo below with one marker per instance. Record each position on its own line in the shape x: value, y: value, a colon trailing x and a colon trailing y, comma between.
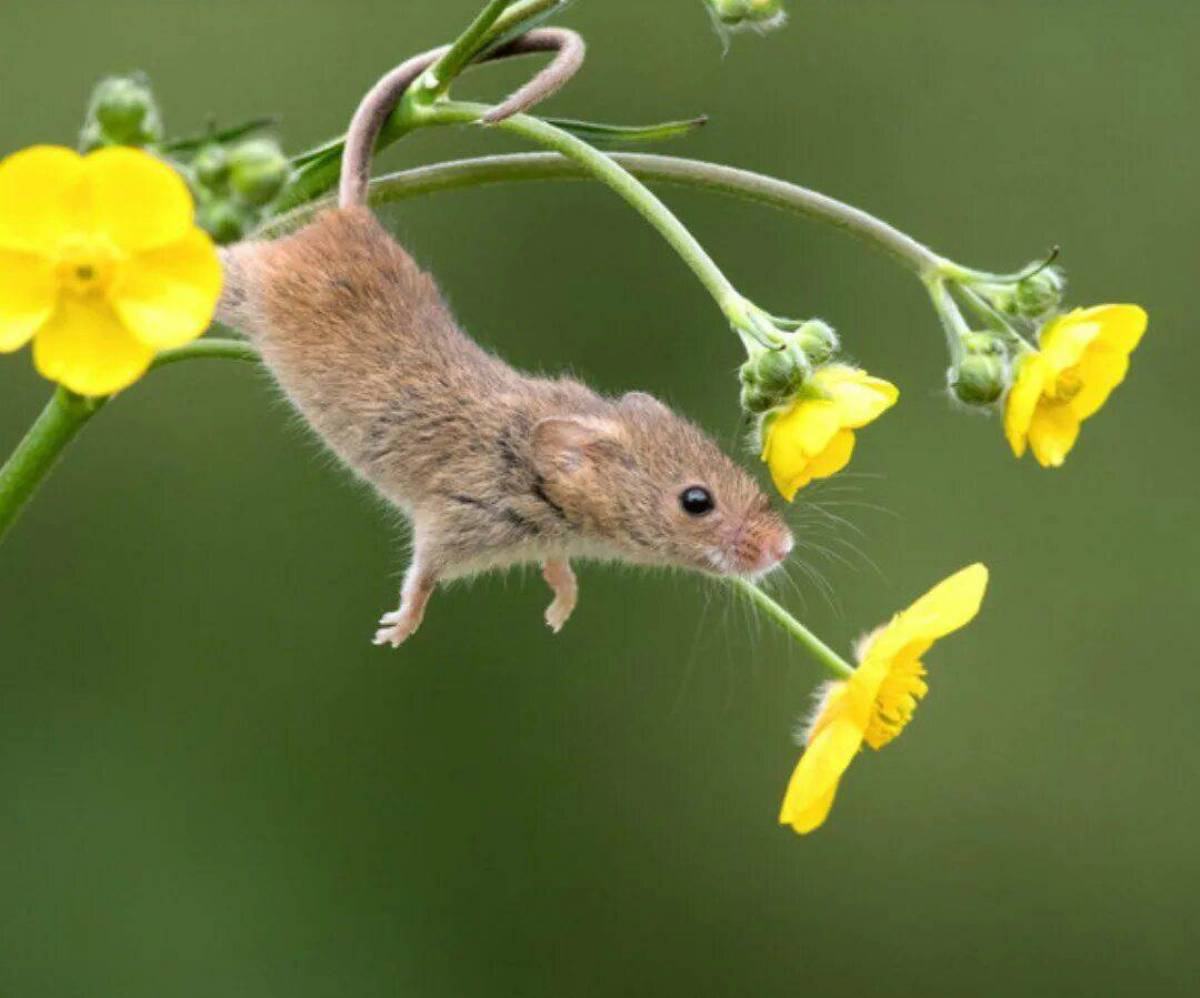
x: 1084, y: 355
x: 879, y: 699
x: 101, y: 264
x: 814, y: 436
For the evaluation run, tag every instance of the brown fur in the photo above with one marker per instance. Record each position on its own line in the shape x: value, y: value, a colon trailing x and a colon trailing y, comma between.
x: 492, y: 466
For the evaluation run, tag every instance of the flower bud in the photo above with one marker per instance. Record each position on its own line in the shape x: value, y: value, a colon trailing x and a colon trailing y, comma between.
x: 258, y: 170
x: 776, y: 370
x: 981, y: 377
x: 211, y: 168
x: 735, y: 15
x: 122, y: 112
x: 818, y: 341
x: 1040, y: 293
x: 756, y: 399
x: 224, y: 220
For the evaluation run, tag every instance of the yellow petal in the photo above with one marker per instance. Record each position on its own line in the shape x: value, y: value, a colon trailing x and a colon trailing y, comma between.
x: 814, y: 782
x: 166, y: 296
x: 1065, y: 339
x: 950, y: 605
x: 1023, y: 400
x: 42, y: 199
x: 1100, y: 371
x: 860, y: 398
x: 1053, y: 433
x: 138, y: 201
x: 834, y: 457
x: 1121, y: 326
x: 27, y: 297
x: 84, y: 347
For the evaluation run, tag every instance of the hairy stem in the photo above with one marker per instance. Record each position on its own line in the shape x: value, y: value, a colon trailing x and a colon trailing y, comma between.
x: 825, y: 656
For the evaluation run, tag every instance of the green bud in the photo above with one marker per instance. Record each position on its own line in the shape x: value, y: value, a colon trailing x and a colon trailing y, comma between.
x: 225, y: 220
x: 983, y: 343
x: 776, y: 370
x: 761, y: 15
x: 211, y: 167
x: 757, y: 400
x: 122, y: 112
x: 817, y: 340
x: 980, y: 378
x: 1040, y: 293
x: 258, y: 170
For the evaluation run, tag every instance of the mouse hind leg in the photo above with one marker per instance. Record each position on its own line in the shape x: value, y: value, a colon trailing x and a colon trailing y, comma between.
x: 400, y: 624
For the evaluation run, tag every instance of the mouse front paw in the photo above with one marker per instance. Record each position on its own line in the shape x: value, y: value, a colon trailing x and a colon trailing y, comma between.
x: 561, y: 580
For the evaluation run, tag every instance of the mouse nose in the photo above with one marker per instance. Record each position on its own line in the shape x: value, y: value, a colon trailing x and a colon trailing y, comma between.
x: 783, y: 546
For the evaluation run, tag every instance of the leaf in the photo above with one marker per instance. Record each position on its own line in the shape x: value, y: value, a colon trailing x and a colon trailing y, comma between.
x: 193, y: 142
x: 608, y: 136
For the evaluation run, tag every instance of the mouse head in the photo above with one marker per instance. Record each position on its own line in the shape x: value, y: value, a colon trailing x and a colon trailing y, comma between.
x: 641, y: 482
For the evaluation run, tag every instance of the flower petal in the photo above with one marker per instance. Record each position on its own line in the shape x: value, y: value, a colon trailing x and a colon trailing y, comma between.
x: 951, y: 604
x: 84, y: 347
x: 814, y: 782
x: 1121, y: 326
x: 1100, y: 371
x: 1023, y: 400
x: 138, y: 201
x: 42, y: 199
x: 861, y: 399
x: 1053, y: 433
x: 1065, y: 339
x: 834, y: 457
x: 166, y: 296
x: 27, y: 297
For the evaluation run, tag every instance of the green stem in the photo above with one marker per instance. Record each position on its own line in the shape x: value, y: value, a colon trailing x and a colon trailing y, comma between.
x: 27, y: 467
x: 824, y: 655
x: 436, y: 80
x: 726, y: 180
x: 208, y: 348
x: 63, y: 418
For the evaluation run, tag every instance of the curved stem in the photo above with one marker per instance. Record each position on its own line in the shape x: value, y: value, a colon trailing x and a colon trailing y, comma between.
x: 826, y: 656
x: 605, y: 169
x: 726, y: 180
x: 28, y: 465
x: 63, y: 418
x: 208, y: 348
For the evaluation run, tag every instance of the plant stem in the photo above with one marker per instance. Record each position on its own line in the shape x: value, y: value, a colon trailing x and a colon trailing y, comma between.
x: 824, y: 655
x: 64, y: 416
x: 605, y: 169
x: 436, y: 80
x: 653, y: 168
x: 59, y: 422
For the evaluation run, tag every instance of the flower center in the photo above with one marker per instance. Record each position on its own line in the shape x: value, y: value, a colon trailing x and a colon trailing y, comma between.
x: 86, y: 264
x: 1066, y: 386
x: 896, y: 702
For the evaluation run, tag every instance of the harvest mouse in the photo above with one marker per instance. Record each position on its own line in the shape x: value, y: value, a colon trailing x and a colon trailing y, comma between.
x: 492, y: 467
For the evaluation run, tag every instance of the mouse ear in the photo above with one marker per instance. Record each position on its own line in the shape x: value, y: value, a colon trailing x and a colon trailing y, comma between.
x: 569, y: 445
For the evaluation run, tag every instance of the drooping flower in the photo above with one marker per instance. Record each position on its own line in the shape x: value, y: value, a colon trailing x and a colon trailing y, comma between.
x: 814, y: 436
x: 101, y: 264
x: 879, y: 699
x: 1082, y: 357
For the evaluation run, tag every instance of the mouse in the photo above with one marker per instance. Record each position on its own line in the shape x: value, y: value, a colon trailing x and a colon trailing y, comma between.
x: 492, y: 467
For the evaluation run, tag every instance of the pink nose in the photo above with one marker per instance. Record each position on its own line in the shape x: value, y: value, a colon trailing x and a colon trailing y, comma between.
x: 780, y: 548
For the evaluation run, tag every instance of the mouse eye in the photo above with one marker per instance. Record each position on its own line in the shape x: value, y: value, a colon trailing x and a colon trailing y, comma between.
x: 696, y: 501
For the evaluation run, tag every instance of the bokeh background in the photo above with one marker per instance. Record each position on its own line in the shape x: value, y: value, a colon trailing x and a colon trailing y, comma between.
x: 211, y: 783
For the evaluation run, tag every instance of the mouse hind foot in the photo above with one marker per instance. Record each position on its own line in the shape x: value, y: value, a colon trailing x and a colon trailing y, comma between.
x: 399, y: 625
x: 562, y: 582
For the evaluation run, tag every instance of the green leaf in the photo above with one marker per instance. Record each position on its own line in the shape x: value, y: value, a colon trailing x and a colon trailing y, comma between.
x: 193, y: 142
x: 610, y: 136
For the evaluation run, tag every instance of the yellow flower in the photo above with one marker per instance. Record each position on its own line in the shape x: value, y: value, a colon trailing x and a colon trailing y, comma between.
x: 814, y: 436
x: 879, y: 699
x: 1084, y: 355
x: 100, y: 264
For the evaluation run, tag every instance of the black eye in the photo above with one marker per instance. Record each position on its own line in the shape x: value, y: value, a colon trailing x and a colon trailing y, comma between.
x: 696, y: 501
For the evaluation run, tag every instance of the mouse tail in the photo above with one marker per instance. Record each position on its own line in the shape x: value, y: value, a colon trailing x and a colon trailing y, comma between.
x: 382, y: 99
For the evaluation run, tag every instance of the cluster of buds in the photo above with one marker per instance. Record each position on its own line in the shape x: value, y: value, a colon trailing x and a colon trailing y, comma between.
x: 1014, y: 308
x: 773, y: 376
x: 235, y: 185
x: 122, y: 112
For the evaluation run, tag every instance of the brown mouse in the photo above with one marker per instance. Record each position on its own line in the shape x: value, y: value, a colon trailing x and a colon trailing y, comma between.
x: 492, y: 467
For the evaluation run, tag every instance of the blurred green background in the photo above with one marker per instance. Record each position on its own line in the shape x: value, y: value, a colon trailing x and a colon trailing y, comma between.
x: 213, y: 784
